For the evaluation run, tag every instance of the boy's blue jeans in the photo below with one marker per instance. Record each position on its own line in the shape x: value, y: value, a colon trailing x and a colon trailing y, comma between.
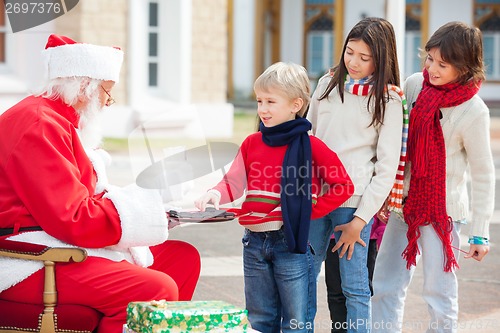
x: 278, y: 283
x: 354, y: 273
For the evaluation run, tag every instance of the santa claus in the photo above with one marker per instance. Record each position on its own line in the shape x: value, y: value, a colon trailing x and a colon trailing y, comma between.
x: 54, y: 191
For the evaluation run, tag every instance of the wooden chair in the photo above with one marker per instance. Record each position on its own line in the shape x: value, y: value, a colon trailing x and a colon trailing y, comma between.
x: 49, y: 317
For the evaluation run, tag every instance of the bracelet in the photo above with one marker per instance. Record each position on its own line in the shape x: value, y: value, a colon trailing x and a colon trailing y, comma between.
x: 477, y: 240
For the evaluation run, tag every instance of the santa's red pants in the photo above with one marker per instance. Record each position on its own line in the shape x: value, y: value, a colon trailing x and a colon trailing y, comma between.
x: 109, y: 286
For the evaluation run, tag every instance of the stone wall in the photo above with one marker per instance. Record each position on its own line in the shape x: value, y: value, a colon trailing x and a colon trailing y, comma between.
x: 102, y: 23
x: 209, y: 51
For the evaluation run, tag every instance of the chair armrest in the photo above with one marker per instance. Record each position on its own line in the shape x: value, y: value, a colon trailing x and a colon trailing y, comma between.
x: 21, y: 250
x: 50, y: 256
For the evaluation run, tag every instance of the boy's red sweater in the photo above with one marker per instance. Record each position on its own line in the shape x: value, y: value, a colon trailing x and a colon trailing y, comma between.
x: 258, y: 168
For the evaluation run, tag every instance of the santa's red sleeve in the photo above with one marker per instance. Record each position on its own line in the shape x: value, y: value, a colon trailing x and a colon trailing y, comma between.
x: 55, y: 183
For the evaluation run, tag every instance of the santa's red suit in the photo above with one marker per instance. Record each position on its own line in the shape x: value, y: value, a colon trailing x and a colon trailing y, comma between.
x: 48, y: 179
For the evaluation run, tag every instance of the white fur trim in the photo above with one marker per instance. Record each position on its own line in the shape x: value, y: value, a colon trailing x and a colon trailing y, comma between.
x: 143, y: 218
x: 142, y: 256
x: 144, y: 223
x: 100, y: 159
x: 94, y: 61
x: 16, y: 270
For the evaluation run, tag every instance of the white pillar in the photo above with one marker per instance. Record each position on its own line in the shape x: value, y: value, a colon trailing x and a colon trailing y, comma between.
x: 186, y: 48
x: 292, y: 30
x: 396, y: 14
x: 175, y: 50
x: 440, y: 12
x: 243, y: 48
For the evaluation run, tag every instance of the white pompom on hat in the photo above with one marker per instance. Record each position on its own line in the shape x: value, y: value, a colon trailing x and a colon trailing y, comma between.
x: 63, y: 57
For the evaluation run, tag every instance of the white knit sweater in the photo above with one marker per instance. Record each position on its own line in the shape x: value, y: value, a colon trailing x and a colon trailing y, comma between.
x: 370, y: 154
x: 466, y: 130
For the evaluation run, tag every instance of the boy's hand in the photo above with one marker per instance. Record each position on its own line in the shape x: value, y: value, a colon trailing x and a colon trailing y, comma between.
x: 209, y: 197
x: 350, y: 235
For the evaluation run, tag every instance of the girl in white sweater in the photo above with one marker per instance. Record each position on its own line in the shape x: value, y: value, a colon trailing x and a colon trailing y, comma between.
x: 449, y: 132
x: 357, y: 111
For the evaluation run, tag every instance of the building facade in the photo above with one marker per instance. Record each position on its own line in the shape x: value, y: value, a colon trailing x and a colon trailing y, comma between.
x: 188, y: 61
x: 312, y: 32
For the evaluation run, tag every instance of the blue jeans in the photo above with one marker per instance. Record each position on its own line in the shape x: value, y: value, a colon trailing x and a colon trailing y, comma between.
x: 277, y: 283
x: 353, y: 273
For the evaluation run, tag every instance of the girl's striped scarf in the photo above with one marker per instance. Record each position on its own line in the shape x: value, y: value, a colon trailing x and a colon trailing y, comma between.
x: 426, y: 202
x: 360, y: 87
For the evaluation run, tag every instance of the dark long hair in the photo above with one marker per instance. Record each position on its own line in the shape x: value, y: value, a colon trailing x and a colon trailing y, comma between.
x: 379, y: 35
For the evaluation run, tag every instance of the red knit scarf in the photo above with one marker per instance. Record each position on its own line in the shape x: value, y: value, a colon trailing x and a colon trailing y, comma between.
x: 426, y: 201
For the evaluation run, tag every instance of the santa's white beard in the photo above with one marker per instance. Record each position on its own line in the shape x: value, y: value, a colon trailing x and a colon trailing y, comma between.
x: 90, y: 128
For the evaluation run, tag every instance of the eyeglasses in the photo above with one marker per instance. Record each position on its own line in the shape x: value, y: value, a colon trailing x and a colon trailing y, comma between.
x: 109, y: 101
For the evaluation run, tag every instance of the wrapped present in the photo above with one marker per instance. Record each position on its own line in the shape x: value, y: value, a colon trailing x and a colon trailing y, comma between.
x: 195, y: 316
x: 127, y: 330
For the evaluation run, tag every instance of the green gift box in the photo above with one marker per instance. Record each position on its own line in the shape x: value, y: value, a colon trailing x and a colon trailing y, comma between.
x: 195, y: 316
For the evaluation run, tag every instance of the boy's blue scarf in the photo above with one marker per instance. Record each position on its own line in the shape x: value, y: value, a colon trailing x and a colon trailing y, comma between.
x: 296, y: 179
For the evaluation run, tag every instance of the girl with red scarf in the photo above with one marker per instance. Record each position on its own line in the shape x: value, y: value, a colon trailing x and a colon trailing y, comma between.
x: 448, y: 133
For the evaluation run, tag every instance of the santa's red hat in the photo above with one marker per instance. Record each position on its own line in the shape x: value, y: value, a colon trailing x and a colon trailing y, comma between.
x: 66, y: 58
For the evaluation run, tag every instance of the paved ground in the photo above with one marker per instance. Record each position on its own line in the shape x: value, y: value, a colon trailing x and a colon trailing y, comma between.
x: 221, y: 278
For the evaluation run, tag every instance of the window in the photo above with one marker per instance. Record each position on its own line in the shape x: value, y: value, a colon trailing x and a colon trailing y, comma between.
x: 491, y: 44
x: 319, y: 37
x: 413, y: 37
x: 413, y: 62
x: 487, y: 18
x: 319, y: 57
x: 153, y: 44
